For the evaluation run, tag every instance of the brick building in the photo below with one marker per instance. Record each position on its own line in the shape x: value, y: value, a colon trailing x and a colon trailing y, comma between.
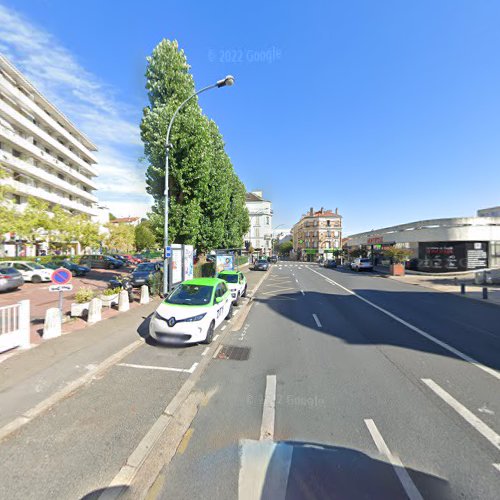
x: 317, y: 234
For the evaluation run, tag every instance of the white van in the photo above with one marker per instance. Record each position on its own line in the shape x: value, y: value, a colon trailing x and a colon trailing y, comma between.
x: 31, y: 271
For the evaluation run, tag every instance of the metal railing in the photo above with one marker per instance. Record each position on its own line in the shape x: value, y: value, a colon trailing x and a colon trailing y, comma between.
x: 9, y: 319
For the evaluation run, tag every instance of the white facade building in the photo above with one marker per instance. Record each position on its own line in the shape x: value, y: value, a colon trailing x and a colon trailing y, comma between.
x: 41, y: 152
x: 261, y: 222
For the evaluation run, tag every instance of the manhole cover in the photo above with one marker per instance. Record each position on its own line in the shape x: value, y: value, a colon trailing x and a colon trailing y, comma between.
x: 234, y: 352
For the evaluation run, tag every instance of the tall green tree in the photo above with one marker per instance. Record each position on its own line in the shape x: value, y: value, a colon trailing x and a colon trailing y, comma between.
x: 204, y: 190
x: 121, y: 238
x: 145, y: 238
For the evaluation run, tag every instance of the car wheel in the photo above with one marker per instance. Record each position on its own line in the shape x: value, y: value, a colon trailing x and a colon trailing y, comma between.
x: 244, y: 294
x: 210, y: 333
x: 36, y: 279
x: 230, y: 312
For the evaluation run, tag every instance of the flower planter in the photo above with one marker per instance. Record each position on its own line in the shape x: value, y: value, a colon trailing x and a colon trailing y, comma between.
x: 109, y: 300
x: 79, y: 310
x: 397, y: 270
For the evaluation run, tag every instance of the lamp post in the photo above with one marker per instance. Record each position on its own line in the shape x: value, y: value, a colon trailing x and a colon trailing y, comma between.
x: 225, y: 82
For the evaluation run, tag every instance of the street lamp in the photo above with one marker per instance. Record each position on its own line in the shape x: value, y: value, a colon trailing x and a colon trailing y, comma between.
x: 225, y: 82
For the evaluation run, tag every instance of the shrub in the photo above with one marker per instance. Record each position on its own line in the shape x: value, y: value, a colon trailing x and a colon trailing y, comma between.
x: 397, y: 255
x: 84, y: 295
x: 111, y: 291
x: 155, y: 283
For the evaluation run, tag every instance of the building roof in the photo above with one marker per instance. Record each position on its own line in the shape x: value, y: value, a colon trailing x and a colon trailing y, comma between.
x: 123, y: 220
x: 253, y: 197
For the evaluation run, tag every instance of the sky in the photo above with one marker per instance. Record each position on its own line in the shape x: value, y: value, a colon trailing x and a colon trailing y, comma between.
x: 387, y: 110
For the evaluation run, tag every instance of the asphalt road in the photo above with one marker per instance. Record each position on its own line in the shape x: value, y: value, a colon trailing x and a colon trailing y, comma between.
x: 335, y: 385
x: 355, y: 386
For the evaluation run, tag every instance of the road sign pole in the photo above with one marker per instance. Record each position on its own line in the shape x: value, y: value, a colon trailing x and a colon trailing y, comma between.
x: 61, y: 304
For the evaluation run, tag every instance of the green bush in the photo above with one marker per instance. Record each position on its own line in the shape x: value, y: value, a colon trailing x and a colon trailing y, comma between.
x: 84, y: 295
x: 111, y: 291
x: 155, y: 283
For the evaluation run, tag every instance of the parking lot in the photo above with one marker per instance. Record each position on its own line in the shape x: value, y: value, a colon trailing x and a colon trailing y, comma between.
x: 42, y: 299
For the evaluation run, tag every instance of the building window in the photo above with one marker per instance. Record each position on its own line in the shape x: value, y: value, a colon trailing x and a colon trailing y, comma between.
x: 327, y: 244
x: 307, y: 243
x: 16, y: 153
x: 17, y: 199
x: 328, y: 223
x: 267, y: 221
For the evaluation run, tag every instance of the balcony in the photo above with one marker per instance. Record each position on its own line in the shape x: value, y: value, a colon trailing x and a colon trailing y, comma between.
x: 42, y: 175
x: 41, y: 155
x: 23, y: 122
x: 27, y: 190
x: 23, y: 100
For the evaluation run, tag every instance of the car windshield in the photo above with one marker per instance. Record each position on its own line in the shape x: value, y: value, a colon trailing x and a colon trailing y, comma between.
x: 34, y: 265
x: 191, y: 295
x: 365, y: 260
x: 8, y: 270
x: 229, y: 278
x: 145, y: 267
x: 262, y: 261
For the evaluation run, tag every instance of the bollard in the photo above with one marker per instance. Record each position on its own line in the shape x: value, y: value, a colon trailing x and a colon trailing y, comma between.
x: 52, y: 325
x: 123, y: 304
x: 144, y: 294
x: 485, y: 293
x: 95, y: 308
x: 462, y: 288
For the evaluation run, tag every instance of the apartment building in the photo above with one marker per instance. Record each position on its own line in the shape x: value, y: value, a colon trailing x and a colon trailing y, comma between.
x: 261, y: 222
x: 317, y: 235
x: 41, y: 152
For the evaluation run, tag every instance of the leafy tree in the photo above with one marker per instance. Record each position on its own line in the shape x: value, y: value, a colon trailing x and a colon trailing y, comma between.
x: 8, y: 214
x: 145, y: 237
x: 286, y: 247
x: 357, y: 252
x: 34, y: 223
x: 206, y: 198
x: 121, y: 237
x: 397, y: 255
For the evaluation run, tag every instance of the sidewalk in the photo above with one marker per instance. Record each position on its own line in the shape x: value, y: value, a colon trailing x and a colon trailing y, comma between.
x: 447, y: 284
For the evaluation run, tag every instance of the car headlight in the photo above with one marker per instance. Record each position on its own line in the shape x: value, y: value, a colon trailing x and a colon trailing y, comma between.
x: 195, y: 318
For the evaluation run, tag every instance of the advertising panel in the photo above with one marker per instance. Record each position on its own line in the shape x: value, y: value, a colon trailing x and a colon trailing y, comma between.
x: 452, y: 256
x: 225, y: 263
x: 188, y: 262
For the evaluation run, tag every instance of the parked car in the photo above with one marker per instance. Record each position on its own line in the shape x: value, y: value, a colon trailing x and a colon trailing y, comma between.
x: 10, y: 279
x: 131, y: 259
x: 273, y: 259
x: 144, y: 272
x: 123, y: 282
x: 362, y: 264
x: 76, y: 269
x: 330, y: 263
x: 192, y: 312
x: 261, y: 265
x: 236, y: 282
x: 100, y: 262
x: 31, y: 271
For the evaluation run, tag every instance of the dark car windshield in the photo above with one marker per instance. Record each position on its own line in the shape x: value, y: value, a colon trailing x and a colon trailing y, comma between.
x: 193, y: 295
x: 364, y: 260
x: 9, y: 270
x: 145, y: 267
x: 229, y: 278
x: 262, y: 261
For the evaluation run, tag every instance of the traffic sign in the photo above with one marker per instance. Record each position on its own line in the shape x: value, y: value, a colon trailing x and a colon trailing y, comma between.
x: 60, y: 288
x: 168, y: 252
x: 61, y: 276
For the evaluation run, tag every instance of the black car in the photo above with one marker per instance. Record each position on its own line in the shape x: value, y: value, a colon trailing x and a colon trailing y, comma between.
x: 261, y: 265
x: 273, y: 259
x: 100, y: 262
x: 76, y: 269
x: 143, y: 273
x: 330, y: 263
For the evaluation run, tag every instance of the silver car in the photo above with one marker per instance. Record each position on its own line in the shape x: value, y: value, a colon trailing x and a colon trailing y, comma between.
x: 361, y: 264
x: 10, y: 279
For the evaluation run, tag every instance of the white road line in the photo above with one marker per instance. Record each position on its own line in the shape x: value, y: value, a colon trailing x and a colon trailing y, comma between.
x: 216, y: 337
x: 497, y: 467
x: 466, y: 414
x: 302, y: 292
x: 268, y: 410
x: 399, y: 469
x: 318, y: 322
x: 205, y: 351
x: 236, y: 312
x: 68, y: 389
x: 223, y: 328
x: 428, y: 336
x: 161, y: 368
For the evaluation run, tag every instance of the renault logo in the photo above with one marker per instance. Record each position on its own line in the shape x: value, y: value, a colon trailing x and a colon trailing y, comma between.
x: 171, y: 322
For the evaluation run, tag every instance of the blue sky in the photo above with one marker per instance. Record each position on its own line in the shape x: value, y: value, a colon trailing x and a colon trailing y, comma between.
x: 388, y: 110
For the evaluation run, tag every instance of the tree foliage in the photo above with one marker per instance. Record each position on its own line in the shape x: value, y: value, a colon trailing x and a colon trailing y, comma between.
x: 121, y: 238
x: 286, y: 247
x: 145, y: 238
x: 207, y: 199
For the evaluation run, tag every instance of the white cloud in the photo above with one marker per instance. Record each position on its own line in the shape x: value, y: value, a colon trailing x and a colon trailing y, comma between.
x: 86, y: 101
